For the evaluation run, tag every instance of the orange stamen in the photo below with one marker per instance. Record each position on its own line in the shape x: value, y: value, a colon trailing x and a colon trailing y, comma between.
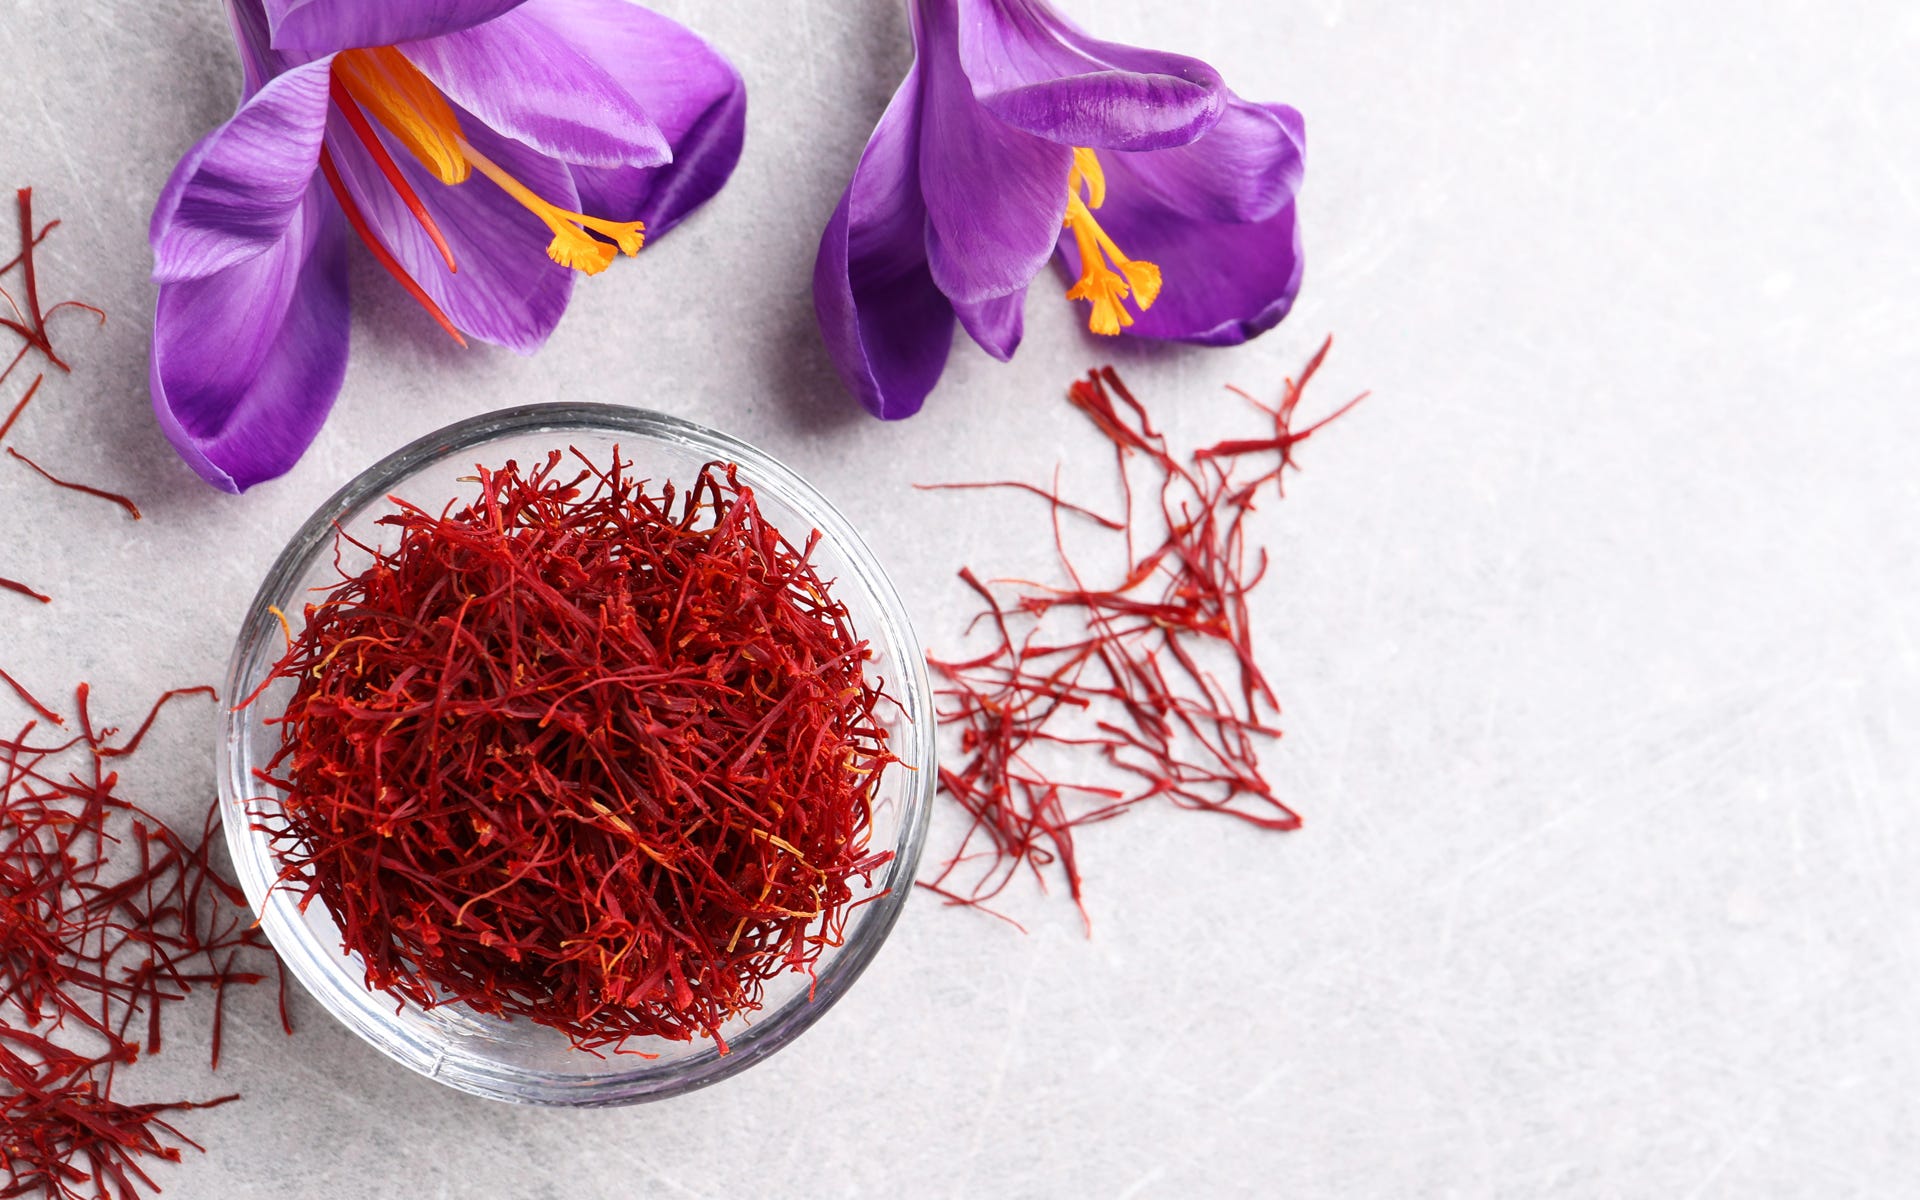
x: 363, y: 130
x: 385, y: 257
x: 572, y: 245
x: 1107, y: 276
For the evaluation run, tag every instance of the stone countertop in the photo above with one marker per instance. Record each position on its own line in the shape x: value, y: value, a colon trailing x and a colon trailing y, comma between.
x: 1594, y: 627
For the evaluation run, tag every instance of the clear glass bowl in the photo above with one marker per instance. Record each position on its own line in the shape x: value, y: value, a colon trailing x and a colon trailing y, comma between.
x: 518, y: 1060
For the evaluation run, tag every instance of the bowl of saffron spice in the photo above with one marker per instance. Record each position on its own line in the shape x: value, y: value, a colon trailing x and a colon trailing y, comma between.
x: 582, y: 755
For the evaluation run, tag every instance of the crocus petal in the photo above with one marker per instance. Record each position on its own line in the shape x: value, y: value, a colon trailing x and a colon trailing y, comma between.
x: 995, y: 196
x: 259, y: 61
x: 246, y: 362
x: 1034, y: 70
x: 995, y: 324
x: 887, y: 327
x: 507, y: 291
x: 693, y: 94
x: 1246, y: 169
x: 1225, y: 281
x: 523, y: 80
x: 323, y: 26
x: 233, y: 195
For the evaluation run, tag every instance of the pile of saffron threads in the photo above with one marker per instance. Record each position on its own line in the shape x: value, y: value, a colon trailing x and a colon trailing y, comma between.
x: 107, y: 918
x: 1125, y: 674
x: 23, y: 317
x: 581, y: 751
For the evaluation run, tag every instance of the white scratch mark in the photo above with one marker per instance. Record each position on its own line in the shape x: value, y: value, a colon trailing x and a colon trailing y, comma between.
x: 80, y: 183
x: 1141, y: 1184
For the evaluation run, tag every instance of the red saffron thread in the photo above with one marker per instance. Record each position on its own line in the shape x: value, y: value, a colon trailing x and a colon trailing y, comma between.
x: 46, y: 229
x: 107, y: 916
x: 581, y: 751
x: 6, y: 426
x: 140, y: 734
x: 20, y: 690
x: 14, y: 585
x: 381, y: 254
x: 30, y: 325
x: 110, y: 917
x: 363, y: 130
x: 30, y: 322
x: 82, y: 488
x: 1131, y: 670
x: 1051, y: 496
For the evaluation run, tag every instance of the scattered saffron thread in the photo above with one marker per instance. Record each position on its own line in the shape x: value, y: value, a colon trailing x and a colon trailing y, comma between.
x: 6, y: 426
x: 1050, y: 496
x: 581, y: 751
x: 1131, y: 671
x: 82, y: 488
x: 29, y: 324
x: 14, y: 585
x: 140, y: 734
x: 110, y: 918
x: 107, y: 916
x: 20, y: 690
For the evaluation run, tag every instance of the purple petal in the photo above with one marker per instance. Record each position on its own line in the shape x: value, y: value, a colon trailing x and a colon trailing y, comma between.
x: 995, y: 324
x: 258, y: 60
x: 247, y: 362
x: 233, y: 195
x: 324, y: 26
x: 995, y: 196
x: 887, y: 327
x: 693, y: 94
x: 1034, y: 70
x: 1246, y: 169
x: 507, y: 291
x: 1224, y: 282
x: 525, y: 81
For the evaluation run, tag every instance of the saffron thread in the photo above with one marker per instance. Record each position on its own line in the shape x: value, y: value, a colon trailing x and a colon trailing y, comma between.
x: 14, y: 585
x: 381, y: 254
x: 1154, y: 672
x: 6, y: 426
x: 112, y: 918
x: 82, y: 488
x: 30, y: 325
x: 30, y: 322
x: 364, y: 131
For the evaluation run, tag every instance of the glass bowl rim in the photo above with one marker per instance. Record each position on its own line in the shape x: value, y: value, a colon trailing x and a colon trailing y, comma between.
x: 372, y: 1015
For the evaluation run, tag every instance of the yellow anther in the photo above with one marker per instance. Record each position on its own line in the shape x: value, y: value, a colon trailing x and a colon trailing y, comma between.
x: 382, y: 81
x: 1144, y: 278
x: 1107, y: 276
x: 571, y: 246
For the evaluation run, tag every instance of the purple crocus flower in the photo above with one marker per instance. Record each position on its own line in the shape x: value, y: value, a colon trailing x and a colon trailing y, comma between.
x: 484, y: 150
x: 1016, y: 136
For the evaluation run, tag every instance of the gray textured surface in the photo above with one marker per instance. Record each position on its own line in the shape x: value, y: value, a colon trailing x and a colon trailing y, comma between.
x: 1595, y: 627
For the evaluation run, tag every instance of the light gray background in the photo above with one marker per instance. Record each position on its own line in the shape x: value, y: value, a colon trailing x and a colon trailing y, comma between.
x: 1595, y: 627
